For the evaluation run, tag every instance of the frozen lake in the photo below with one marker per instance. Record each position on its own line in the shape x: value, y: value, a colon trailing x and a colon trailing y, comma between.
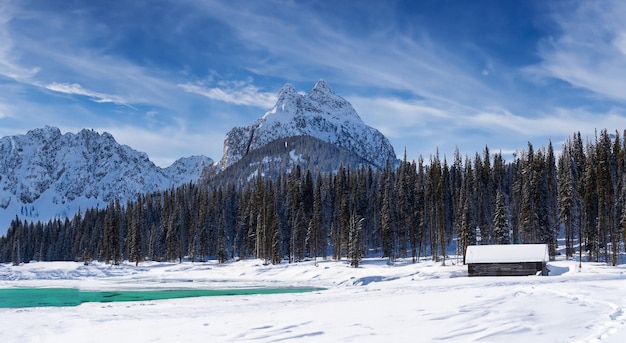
x: 55, y: 297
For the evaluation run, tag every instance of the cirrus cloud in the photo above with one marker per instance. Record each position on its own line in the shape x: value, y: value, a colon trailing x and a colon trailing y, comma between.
x: 237, y: 93
x: 77, y: 89
x: 589, y: 51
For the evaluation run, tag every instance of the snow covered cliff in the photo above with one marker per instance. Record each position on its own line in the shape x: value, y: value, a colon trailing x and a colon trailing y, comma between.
x: 46, y: 174
x: 320, y: 114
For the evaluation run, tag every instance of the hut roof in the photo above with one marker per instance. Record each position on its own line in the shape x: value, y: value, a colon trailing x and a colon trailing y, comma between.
x: 507, y: 253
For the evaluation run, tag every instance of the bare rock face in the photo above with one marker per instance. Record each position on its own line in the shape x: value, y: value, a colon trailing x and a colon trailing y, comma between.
x: 320, y: 114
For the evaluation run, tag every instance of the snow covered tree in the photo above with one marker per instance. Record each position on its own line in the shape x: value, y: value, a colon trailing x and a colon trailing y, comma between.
x: 501, y: 225
x: 355, y: 252
x: 467, y: 221
x: 135, y: 232
x: 110, y: 237
x: 528, y: 221
x: 387, y: 223
x: 568, y: 198
x: 552, y: 199
x: 315, y: 237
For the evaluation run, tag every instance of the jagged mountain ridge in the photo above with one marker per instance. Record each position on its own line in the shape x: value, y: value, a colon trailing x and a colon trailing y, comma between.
x: 320, y: 114
x: 45, y: 174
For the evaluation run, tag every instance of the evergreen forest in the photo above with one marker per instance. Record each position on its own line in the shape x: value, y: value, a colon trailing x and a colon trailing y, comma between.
x: 429, y: 207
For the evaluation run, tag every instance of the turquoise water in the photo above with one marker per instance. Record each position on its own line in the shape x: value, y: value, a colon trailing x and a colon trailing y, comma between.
x: 46, y: 297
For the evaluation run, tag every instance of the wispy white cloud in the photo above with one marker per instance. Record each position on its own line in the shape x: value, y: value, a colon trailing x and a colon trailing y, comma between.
x: 9, y: 65
x: 113, y: 74
x: 77, y: 89
x: 238, y: 93
x: 5, y: 112
x: 589, y: 52
x: 74, y: 65
x: 304, y: 46
x: 395, y: 116
x: 425, y: 126
x: 560, y: 123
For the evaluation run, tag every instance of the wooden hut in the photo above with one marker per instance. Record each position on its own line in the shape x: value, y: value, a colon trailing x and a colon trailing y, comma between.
x: 507, y: 260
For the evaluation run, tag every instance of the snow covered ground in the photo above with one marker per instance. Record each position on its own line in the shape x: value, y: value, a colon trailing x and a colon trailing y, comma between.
x: 423, y: 302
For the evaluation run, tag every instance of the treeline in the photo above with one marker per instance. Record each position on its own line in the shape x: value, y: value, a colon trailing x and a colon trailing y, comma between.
x: 417, y: 208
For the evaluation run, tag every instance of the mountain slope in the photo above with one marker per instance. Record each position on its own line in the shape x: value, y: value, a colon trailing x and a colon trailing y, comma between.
x: 320, y: 114
x: 44, y: 174
x: 283, y: 155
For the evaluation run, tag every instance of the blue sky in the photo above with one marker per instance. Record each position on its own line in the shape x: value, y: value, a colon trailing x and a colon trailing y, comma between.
x: 170, y: 78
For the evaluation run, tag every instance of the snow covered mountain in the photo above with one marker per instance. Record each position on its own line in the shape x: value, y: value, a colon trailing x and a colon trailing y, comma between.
x: 187, y: 169
x: 45, y: 174
x: 320, y: 114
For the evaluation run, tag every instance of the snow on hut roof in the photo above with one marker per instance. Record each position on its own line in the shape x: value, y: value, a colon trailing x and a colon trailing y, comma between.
x: 506, y: 253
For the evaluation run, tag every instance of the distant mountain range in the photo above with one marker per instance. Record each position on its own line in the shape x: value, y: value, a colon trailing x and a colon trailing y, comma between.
x: 45, y: 174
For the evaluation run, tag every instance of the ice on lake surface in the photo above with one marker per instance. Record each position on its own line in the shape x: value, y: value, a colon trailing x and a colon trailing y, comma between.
x: 51, y: 297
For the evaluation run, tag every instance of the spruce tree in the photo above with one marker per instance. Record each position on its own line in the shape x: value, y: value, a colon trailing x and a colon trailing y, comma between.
x: 315, y: 237
x: 590, y: 206
x: 467, y: 204
x: 16, y: 255
x: 386, y: 218
x: 568, y: 198
x: 355, y: 252
x: 552, y: 199
x: 528, y: 217
x: 135, y: 232
x: 500, y: 221
x: 110, y: 241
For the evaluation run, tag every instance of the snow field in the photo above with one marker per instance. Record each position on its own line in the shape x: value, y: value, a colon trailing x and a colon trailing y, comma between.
x: 423, y: 302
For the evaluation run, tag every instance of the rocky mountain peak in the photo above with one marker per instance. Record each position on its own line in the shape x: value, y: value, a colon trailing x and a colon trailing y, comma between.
x: 322, y: 87
x: 45, y: 133
x: 320, y: 114
x: 287, y: 91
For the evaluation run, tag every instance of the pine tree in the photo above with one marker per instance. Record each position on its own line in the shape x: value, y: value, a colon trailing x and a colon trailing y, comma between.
x: 447, y: 211
x: 355, y: 253
x: 202, y: 224
x: 273, y: 232
x: 500, y: 221
x: 467, y: 226
x: 486, y: 195
x: 606, y: 195
x: 110, y: 244
x: 542, y: 201
x: 402, y: 199
x: 386, y: 218
x: 340, y: 211
x: 135, y: 232
x: 16, y: 255
x: 528, y: 212
x: 552, y: 200
x: 567, y: 197
x: 590, y: 206
x: 420, y: 204
x: 222, y: 244
x: 436, y: 208
x: 314, y: 239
